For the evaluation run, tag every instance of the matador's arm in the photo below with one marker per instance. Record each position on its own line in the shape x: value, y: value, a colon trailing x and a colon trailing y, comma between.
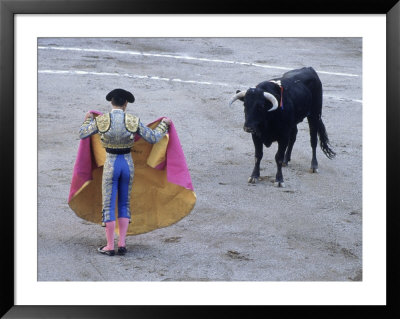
x: 153, y: 136
x: 88, y: 128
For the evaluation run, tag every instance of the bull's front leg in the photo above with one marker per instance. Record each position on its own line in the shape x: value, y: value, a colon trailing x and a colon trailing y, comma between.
x: 279, y: 156
x: 292, y: 139
x: 258, y: 146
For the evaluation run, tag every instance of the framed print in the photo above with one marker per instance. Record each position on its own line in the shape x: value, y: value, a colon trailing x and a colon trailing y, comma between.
x: 218, y: 220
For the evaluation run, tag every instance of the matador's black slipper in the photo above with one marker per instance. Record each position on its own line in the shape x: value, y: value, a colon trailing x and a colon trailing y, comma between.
x: 101, y: 250
x: 122, y: 251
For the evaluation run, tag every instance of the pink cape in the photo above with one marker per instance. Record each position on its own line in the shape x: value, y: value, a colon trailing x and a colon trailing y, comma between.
x: 175, y: 164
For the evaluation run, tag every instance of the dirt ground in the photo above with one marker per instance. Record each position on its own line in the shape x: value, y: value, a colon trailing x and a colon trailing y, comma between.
x: 311, y: 230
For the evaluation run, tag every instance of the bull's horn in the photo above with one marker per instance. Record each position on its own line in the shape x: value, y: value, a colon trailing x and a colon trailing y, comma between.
x: 273, y: 100
x: 237, y: 96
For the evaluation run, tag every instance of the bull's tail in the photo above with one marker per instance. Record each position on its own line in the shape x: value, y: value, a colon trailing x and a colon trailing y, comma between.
x: 324, y: 141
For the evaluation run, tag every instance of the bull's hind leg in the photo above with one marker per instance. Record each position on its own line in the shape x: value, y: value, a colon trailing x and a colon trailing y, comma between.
x: 292, y: 139
x: 258, y: 146
x: 313, y: 124
x: 279, y: 160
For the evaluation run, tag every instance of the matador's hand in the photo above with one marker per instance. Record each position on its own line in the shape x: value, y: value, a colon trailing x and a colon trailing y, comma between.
x: 166, y: 121
x: 88, y: 115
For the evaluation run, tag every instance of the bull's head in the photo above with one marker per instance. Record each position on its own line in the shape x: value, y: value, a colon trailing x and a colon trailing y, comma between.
x: 256, y: 105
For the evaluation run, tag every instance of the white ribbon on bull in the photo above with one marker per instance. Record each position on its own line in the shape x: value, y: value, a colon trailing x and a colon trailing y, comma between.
x: 267, y: 95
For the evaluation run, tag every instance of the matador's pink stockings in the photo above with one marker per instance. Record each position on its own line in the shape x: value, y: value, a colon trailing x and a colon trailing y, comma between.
x: 110, y: 227
x: 123, y: 224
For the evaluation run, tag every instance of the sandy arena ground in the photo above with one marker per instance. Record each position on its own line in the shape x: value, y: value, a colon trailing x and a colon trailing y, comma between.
x: 309, y: 231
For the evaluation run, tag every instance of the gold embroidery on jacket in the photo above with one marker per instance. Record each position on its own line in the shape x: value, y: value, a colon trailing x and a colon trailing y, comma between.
x: 131, y: 123
x: 103, y: 122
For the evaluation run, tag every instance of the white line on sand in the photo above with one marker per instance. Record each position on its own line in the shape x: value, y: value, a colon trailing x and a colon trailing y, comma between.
x: 157, y: 78
x: 182, y: 57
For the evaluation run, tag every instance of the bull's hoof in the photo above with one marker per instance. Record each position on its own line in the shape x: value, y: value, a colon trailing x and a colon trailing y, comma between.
x: 252, y: 180
x: 313, y: 170
x: 279, y: 184
x: 285, y: 164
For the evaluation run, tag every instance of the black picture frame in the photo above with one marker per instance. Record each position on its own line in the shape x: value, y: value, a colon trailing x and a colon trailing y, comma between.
x: 8, y: 10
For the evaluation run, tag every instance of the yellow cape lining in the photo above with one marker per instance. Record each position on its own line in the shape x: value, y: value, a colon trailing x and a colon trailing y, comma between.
x: 155, y: 203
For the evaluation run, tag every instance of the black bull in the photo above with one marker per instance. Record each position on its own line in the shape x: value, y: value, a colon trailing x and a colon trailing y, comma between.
x: 274, y: 108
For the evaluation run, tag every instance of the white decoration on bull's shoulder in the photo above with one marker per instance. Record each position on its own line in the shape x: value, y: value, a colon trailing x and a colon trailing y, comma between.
x: 272, y: 99
x: 237, y: 96
x: 277, y: 82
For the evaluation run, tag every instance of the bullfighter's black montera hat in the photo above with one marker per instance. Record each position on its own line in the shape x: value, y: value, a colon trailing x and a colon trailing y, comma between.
x: 120, y: 94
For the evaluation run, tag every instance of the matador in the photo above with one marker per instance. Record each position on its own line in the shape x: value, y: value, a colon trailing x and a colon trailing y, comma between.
x: 117, y: 130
